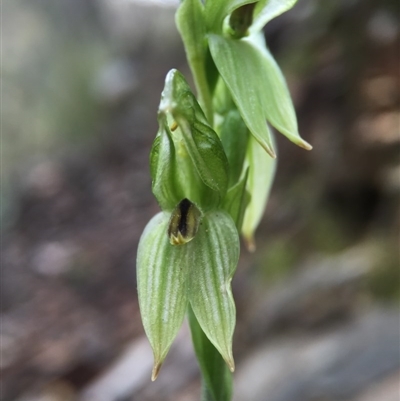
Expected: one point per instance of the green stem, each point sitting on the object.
(216, 377)
(205, 393)
(190, 20)
(203, 91)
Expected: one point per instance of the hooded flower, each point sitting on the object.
(232, 29)
(188, 253)
(224, 39)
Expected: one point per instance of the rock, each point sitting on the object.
(321, 289)
(53, 258)
(130, 373)
(336, 365)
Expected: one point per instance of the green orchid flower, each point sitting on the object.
(188, 253)
(231, 32)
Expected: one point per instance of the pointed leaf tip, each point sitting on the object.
(305, 145)
(271, 152)
(231, 364)
(250, 243)
(267, 147)
(156, 370)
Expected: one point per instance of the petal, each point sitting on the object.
(261, 175)
(257, 87)
(213, 263)
(162, 271)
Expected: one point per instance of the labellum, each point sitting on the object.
(184, 222)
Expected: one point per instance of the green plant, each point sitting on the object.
(212, 165)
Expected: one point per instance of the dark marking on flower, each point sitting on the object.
(184, 222)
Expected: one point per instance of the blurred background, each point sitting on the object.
(318, 302)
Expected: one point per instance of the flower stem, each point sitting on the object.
(216, 377)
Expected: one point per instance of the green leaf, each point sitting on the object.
(162, 271)
(216, 375)
(190, 22)
(192, 28)
(261, 175)
(257, 87)
(237, 200)
(266, 10)
(213, 263)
